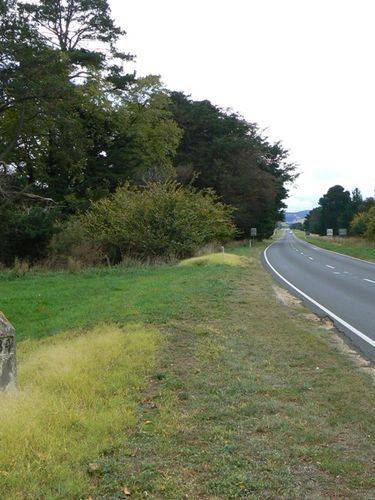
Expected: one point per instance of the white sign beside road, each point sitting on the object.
(253, 231)
(329, 232)
(343, 232)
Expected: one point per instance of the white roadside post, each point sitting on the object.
(253, 234)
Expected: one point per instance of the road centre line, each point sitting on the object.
(331, 267)
(320, 249)
(311, 258)
(370, 281)
(320, 306)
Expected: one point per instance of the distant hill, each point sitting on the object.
(293, 217)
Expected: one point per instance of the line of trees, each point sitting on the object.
(75, 126)
(339, 208)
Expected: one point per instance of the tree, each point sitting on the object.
(336, 209)
(367, 204)
(359, 224)
(357, 200)
(313, 221)
(31, 75)
(72, 27)
(297, 225)
(221, 150)
(46, 66)
(370, 225)
(136, 140)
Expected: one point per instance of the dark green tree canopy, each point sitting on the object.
(336, 210)
(74, 27)
(224, 151)
(75, 125)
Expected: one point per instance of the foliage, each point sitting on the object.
(48, 73)
(25, 231)
(336, 210)
(223, 151)
(75, 125)
(75, 26)
(32, 77)
(297, 225)
(313, 222)
(370, 225)
(358, 224)
(156, 220)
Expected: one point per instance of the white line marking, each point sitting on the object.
(311, 258)
(301, 253)
(370, 281)
(324, 309)
(336, 272)
(332, 251)
(331, 267)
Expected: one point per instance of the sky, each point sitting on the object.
(302, 69)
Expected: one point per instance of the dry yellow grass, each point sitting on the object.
(228, 259)
(77, 394)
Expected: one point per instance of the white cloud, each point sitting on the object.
(303, 70)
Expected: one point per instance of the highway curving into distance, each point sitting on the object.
(333, 285)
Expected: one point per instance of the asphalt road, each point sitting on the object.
(333, 285)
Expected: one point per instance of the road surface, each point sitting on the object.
(333, 285)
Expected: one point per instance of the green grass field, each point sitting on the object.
(355, 247)
(190, 380)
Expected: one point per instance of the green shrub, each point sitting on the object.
(20, 267)
(363, 224)
(370, 225)
(72, 244)
(358, 224)
(25, 232)
(159, 220)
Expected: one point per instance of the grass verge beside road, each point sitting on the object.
(231, 393)
(355, 247)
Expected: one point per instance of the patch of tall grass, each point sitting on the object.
(77, 395)
(226, 259)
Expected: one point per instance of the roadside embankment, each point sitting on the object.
(205, 383)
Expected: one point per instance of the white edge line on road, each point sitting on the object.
(332, 251)
(320, 306)
(331, 267)
(370, 281)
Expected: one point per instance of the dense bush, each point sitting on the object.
(358, 224)
(25, 232)
(370, 225)
(363, 224)
(159, 220)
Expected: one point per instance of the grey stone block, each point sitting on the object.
(8, 366)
